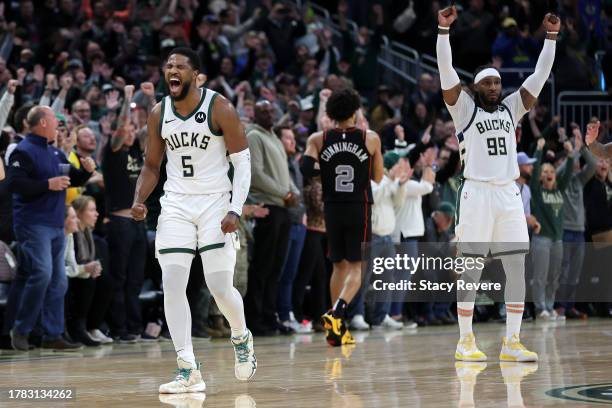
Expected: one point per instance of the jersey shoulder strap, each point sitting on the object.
(471, 119)
(509, 113)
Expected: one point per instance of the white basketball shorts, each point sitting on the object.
(490, 218)
(191, 223)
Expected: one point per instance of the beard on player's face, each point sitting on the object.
(489, 98)
(185, 86)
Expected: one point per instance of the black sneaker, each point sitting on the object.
(61, 344)
(20, 342)
(127, 339)
(147, 338)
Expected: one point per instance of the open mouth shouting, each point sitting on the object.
(175, 84)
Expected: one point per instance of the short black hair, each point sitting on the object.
(482, 68)
(194, 59)
(342, 104)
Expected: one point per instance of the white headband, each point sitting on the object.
(485, 73)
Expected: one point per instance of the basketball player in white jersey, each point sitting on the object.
(197, 129)
(490, 215)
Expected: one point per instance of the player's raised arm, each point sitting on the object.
(449, 80)
(374, 146)
(535, 82)
(149, 175)
(226, 119)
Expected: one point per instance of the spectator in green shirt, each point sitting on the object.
(547, 246)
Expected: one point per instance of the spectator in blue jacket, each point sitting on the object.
(38, 175)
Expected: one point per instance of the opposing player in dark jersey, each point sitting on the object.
(348, 158)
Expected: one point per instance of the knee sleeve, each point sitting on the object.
(175, 271)
(514, 267)
(219, 274)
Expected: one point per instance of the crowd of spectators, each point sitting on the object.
(83, 76)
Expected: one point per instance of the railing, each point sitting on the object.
(580, 107)
(402, 65)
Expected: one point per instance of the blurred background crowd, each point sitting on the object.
(98, 65)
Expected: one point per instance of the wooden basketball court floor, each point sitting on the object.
(408, 368)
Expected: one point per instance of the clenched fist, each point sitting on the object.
(139, 211)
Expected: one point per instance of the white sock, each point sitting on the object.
(175, 274)
(514, 268)
(514, 318)
(187, 355)
(465, 314)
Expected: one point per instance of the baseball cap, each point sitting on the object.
(509, 22)
(447, 208)
(522, 158)
(60, 117)
(390, 159)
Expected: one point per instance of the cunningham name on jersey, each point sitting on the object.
(348, 147)
(197, 156)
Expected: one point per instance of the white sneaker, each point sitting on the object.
(359, 323)
(513, 350)
(98, 336)
(389, 323)
(410, 324)
(297, 327)
(545, 316)
(556, 316)
(467, 350)
(188, 379)
(246, 362)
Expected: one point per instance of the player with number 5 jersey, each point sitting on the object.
(199, 132)
(348, 158)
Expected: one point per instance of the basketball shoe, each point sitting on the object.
(513, 350)
(336, 331)
(188, 379)
(467, 349)
(246, 362)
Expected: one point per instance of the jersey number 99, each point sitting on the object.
(497, 146)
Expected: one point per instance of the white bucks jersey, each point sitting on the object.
(197, 161)
(487, 140)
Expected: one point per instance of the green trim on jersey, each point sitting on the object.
(161, 116)
(211, 246)
(197, 108)
(458, 206)
(210, 123)
(177, 251)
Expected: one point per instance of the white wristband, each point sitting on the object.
(443, 28)
(552, 32)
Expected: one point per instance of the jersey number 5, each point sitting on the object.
(187, 167)
(497, 146)
(344, 178)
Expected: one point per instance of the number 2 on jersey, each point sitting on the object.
(187, 167)
(344, 178)
(497, 146)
